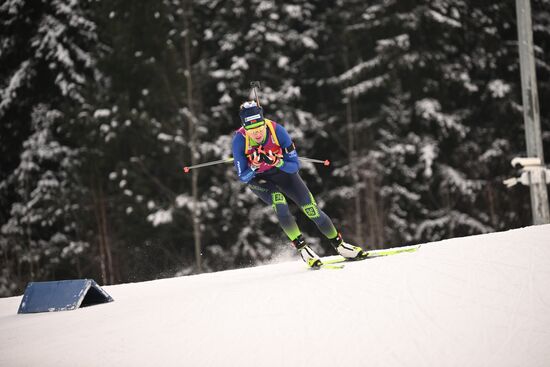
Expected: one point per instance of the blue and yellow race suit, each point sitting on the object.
(274, 185)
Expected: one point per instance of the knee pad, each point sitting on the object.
(277, 198)
(311, 210)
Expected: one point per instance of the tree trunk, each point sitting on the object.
(352, 157)
(374, 213)
(491, 200)
(107, 241)
(105, 258)
(101, 245)
(192, 135)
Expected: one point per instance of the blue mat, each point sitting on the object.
(62, 295)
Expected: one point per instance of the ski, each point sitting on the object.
(331, 266)
(326, 266)
(371, 254)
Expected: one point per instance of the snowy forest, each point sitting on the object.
(416, 103)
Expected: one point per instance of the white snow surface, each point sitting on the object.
(473, 301)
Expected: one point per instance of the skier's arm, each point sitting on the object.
(290, 162)
(240, 162)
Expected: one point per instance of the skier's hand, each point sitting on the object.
(255, 160)
(271, 158)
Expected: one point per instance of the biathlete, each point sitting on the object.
(266, 160)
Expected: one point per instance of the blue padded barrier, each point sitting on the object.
(62, 295)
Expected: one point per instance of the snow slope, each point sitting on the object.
(473, 301)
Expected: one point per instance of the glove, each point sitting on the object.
(271, 158)
(255, 160)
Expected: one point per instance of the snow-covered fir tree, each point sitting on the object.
(446, 90)
(417, 105)
(47, 61)
(245, 41)
(41, 237)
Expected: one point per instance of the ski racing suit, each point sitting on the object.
(273, 185)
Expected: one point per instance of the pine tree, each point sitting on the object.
(451, 69)
(47, 60)
(41, 237)
(242, 42)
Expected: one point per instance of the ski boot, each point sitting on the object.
(346, 250)
(308, 255)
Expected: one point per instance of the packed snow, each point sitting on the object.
(472, 301)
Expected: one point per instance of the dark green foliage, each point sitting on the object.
(416, 103)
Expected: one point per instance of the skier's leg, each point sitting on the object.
(295, 188)
(271, 195)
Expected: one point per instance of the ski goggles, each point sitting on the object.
(253, 123)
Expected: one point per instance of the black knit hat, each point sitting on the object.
(251, 115)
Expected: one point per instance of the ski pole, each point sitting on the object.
(219, 161)
(186, 169)
(326, 162)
